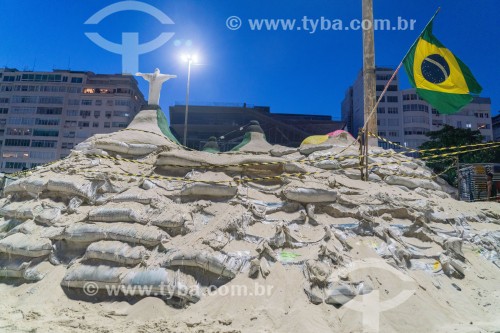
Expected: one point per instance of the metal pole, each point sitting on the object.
(187, 102)
(369, 78)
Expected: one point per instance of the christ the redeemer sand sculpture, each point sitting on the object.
(155, 82)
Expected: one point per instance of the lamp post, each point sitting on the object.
(190, 59)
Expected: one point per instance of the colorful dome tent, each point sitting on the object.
(318, 139)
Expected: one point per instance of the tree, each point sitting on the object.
(450, 136)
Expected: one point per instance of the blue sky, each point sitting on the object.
(290, 71)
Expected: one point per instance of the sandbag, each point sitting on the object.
(218, 263)
(309, 195)
(79, 275)
(21, 210)
(25, 245)
(69, 186)
(30, 185)
(136, 149)
(116, 214)
(117, 252)
(125, 232)
(13, 268)
(412, 183)
(209, 190)
(48, 216)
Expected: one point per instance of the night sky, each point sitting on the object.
(290, 71)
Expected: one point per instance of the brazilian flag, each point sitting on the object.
(440, 78)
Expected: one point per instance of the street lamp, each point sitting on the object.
(189, 58)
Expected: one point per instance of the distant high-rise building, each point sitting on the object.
(496, 127)
(404, 118)
(43, 115)
(229, 121)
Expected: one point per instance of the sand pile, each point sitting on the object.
(288, 240)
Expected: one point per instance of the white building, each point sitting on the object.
(404, 118)
(43, 115)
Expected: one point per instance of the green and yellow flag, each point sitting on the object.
(439, 77)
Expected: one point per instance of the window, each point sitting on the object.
(381, 133)
(19, 131)
(85, 113)
(9, 78)
(107, 125)
(97, 114)
(44, 143)
(21, 110)
(74, 90)
(393, 122)
(48, 110)
(41, 132)
(468, 125)
(459, 124)
(69, 134)
(17, 143)
(67, 145)
(384, 76)
(95, 124)
(379, 110)
(434, 111)
(42, 77)
(72, 113)
(50, 100)
(70, 123)
(120, 114)
(392, 110)
(392, 99)
(76, 80)
(122, 102)
(119, 125)
(415, 107)
(25, 99)
(483, 126)
(4, 100)
(393, 133)
(45, 155)
(4, 110)
(416, 131)
(15, 154)
(15, 165)
(47, 122)
(109, 103)
(20, 121)
(73, 102)
(98, 102)
(420, 120)
(108, 114)
(83, 124)
(6, 88)
(437, 122)
(86, 102)
(381, 122)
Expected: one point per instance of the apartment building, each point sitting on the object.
(404, 118)
(43, 115)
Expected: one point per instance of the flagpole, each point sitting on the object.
(385, 90)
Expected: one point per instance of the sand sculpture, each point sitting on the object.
(134, 207)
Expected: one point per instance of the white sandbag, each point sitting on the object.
(209, 190)
(30, 185)
(116, 214)
(118, 252)
(162, 282)
(125, 148)
(214, 263)
(125, 232)
(412, 183)
(13, 268)
(25, 245)
(79, 275)
(309, 195)
(48, 216)
(171, 217)
(134, 195)
(8, 224)
(21, 210)
(70, 185)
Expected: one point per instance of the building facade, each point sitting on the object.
(43, 115)
(404, 118)
(229, 120)
(496, 127)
